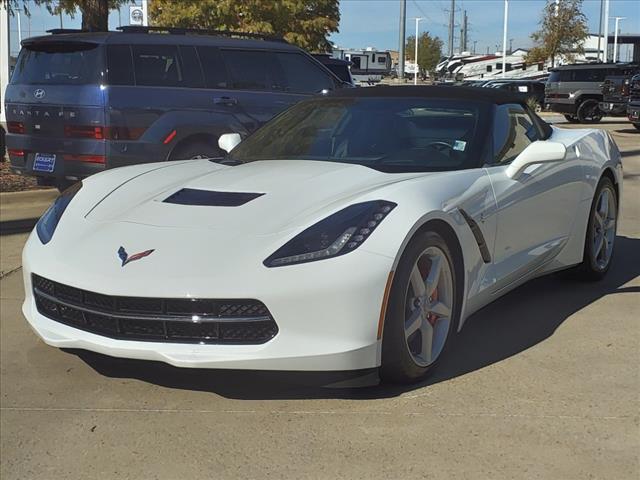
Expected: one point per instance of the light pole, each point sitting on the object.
(403, 22)
(415, 72)
(504, 38)
(474, 46)
(615, 39)
(605, 56)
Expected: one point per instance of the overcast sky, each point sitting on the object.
(375, 23)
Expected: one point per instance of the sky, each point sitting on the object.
(375, 23)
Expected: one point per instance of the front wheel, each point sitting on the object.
(423, 310)
(601, 232)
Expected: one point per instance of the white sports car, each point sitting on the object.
(354, 231)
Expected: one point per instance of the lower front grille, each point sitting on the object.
(202, 321)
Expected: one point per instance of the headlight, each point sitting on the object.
(49, 221)
(340, 233)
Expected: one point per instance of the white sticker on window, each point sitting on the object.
(523, 89)
(459, 145)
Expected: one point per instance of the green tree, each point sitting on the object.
(562, 32)
(429, 51)
(95, 13)
(306, 23)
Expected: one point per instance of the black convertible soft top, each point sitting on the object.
(490, 95)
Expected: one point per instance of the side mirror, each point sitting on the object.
(228, 141)
(537, 152)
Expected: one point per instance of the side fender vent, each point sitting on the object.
(477, 234)
(207, 198)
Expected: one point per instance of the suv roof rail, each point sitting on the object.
(58, 31)
(198, 31)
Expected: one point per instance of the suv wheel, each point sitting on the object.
(589, 112)
(196, 150)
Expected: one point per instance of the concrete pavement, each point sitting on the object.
(542, 384)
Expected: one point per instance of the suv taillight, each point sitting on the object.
(103, 133)
(15, 127)
(84, 131)
(625, 88)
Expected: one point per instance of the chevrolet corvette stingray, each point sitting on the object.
(357, 230)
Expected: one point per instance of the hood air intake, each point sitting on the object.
(207, 198)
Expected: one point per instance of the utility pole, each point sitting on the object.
(465, 29)
(504, 38)
(510, 46)
(474, 46)
(606, 32)
(615, 39)
(403, 21)
(452, 19)
(415, 72)
(600, 30)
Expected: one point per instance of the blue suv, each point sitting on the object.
(80, 102)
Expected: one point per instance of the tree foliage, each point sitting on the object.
(306, 23)
(429, 51)
(95, 13)
(560, 33)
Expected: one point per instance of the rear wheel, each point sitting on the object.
(195, 150)
(601, 232)
(423, 310)
(589, 111)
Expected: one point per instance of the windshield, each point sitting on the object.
(63, 63)
(388, 134)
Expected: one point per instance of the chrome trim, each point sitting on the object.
(167, 318)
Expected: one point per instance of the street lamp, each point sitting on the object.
(504, 38)
(415, 72)
(615, 39)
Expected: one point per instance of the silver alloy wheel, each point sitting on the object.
(428, 306)
(604, 228)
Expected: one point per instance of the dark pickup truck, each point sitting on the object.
(615, 94)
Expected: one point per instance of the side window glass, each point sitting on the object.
(215, 73)
(513, 131)
(250, 70)
(301, 75)
(191, 67)
(157, 65)
(119, 68)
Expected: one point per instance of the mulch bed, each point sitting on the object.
(10, 182)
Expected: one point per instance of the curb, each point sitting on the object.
(19, 211)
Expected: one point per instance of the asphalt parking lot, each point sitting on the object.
(544, 383)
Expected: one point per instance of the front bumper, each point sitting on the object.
(633, 113)
(327, 312)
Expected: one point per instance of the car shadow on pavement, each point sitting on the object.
(519, 320)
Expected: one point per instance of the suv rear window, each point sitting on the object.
(63, 63)
(583, 74)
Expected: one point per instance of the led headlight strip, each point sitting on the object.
(338, 234)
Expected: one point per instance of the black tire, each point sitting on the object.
(398, 366)
(195, 150)
(589, 111)
(637, 125)
(571, 118)
(589, 269)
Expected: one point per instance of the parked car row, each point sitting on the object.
(81, 102)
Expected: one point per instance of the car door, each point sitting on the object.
(536, 209)
(256, 84)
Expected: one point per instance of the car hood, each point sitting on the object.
(286, 194)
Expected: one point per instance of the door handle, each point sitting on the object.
(229, 101)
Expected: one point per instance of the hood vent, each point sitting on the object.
(191, 196)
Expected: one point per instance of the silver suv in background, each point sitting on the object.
(576, 90)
